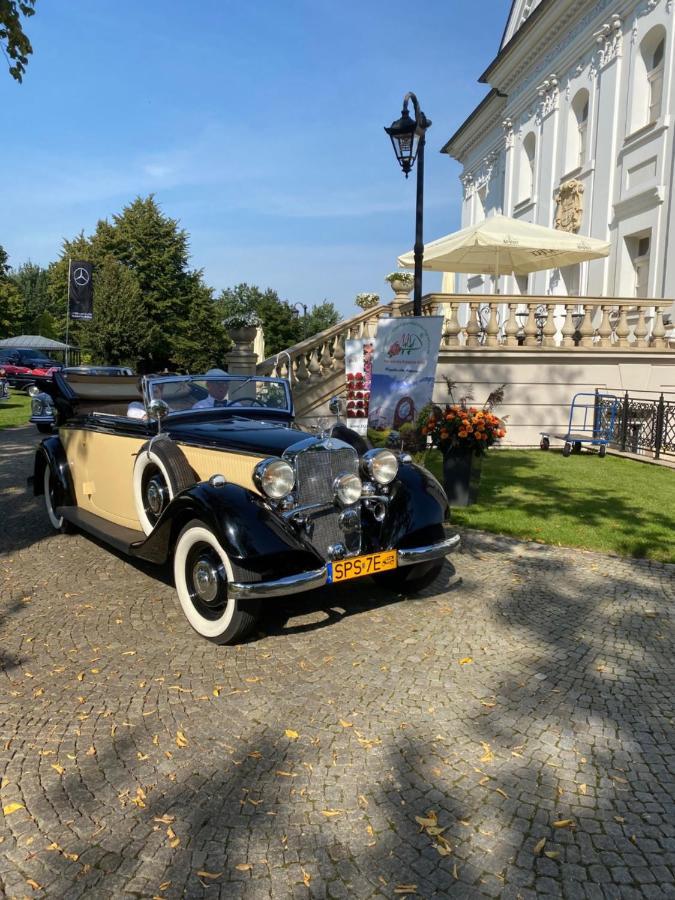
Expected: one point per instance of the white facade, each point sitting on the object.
(582, 91)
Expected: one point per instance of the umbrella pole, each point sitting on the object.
(497, 273)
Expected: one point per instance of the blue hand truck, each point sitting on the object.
(592, 418)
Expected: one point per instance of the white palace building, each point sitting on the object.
(577, 133)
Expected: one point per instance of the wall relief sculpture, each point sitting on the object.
(569, 210)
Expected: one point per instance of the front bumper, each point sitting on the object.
(308, 581)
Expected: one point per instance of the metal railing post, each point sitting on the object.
(624, 422)
(658, 440)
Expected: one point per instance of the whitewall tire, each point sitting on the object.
(58, 523)
(161, 471)
(202, 572)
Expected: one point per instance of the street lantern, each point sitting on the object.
(408, 139)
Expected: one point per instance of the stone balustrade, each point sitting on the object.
(548, 323)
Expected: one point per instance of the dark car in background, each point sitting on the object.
(4, 387)
(212, 474)
(23, 367)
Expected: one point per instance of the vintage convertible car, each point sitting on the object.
(212, 473)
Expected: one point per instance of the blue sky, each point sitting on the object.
(258, 125)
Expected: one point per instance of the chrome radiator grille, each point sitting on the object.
(316, 470)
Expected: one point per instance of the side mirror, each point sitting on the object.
(158, 409)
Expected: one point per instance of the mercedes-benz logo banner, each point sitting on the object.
(80, 290)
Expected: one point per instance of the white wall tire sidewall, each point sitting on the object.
(143, 460)
(208, 628)
(56, 521)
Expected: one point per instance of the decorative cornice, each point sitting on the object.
(609, 40)
(507, 125)
(549, 94)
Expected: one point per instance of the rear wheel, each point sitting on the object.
(602, 450)
(202, 571)
(51, 493)
(411, 579)
(567, 449)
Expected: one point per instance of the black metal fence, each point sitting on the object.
(642, 425)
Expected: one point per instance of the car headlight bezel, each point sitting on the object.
(274, 478)
(348, 488)
(381, 465)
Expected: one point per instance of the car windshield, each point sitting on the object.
(186, 393)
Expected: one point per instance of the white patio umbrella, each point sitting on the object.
(503, 246)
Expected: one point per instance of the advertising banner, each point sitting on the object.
(358, 367)
(80, 290)
(403, 369)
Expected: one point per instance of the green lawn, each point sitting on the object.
(613, 505)
(14, 411)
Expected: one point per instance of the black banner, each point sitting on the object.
(80, 290)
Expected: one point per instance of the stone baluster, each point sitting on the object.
(301, 371)
(492, 330)
(586, 328)
(659, 331)
(568, 328)
(622, 328)
(531, 326)
(641, 329)
(605, 329)
(314, 364)
(473, 326)
(325, 359)
(338, 353)
(451, 328)
(511, 328)
(548, 332)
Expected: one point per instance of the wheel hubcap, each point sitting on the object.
(156, 495)
(205, 580)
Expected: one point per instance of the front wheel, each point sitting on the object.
(411, 579)
(202, 571)
(50, 485)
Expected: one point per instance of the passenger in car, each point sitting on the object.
(136, 409)
(217, 392)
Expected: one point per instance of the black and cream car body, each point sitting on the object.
(211, 473)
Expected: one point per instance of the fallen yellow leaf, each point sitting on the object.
(552, 854)
(166, 819)
(12, 808)
(243, 867)
(174, 840)
(503, 793)
(58, 768)
(91, 751)
(331, 812)
(291, 735)
(488, 755)
(212, 875)
(73, 857)
(583, 789)
(539, 846)
(564, 823)
(216, 692)
(181, 740)
(346, 724)
(465, 661)
(405, 889)
(306, 877)
(428, 821)
(33, 884)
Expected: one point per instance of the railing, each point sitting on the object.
(507, 321)
(644, 425)
(324, 353)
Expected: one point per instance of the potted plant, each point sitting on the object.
(241, 322)
(401, 282)
(367, 300)
(463, 434)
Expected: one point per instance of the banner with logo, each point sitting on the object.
(80, 290)
(403, 369)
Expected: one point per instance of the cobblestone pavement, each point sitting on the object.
(529, 697)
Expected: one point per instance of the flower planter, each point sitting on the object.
(243, 334)
(461, 476)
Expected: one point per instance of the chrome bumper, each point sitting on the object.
(308, 581)
(292, 584)
(424, 554)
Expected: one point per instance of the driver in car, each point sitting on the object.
(217, 392)
(136, 409)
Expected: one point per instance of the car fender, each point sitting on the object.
(260, 544)
(51, 452)
(416, 511)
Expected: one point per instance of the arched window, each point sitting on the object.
(649, 73)
(527, 167)
(579, 129)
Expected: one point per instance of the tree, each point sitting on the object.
(32, 282)
(279, 320)
(320, 317)
(11, 302)
(118, 333)
(203, 343)
(13, 40)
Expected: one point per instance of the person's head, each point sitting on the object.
(217, 389)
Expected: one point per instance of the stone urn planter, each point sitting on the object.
(462, 469)
(243, 334)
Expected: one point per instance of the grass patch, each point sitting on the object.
(613, 505)
(15, 410)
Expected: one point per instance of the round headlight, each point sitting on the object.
(381, 465)
(274, 477)
(348, 489)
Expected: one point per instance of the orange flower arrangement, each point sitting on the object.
(463, 427)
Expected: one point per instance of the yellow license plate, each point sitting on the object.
(370, 564)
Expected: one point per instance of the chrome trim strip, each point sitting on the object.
(292, 584)
(433, 551)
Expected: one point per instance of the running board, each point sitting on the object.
(117, 536)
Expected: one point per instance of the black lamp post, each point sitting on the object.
(296, 310)
(408, 138)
